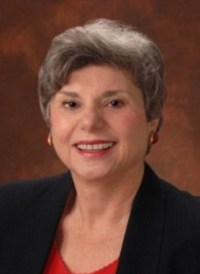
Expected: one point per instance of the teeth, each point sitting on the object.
(94, 147)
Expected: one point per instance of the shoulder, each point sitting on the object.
(20, 193)
(181, 203)
(181, 230)
(33, 184)
(182, 219)
(180, 225)
(182, 209)
(175, 198)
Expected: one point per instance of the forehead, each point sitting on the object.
(103, 76)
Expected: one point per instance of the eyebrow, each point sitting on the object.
(70, 93)
(111, 93)
(106, 94)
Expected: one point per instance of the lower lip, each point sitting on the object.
(94, 154)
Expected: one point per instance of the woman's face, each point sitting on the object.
(98, 123)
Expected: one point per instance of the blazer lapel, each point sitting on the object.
(37, 230)
(142, 241)
(141, 247)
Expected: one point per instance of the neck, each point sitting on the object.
(107, 201)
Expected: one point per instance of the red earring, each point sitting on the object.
(154, 138)
(49, 140)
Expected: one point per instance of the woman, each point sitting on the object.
(101, 91)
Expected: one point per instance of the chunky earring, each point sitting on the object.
(154, 138)
(49, 140)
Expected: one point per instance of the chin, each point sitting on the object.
(90, 175)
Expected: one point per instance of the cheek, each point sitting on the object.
(60, 127)
(134, 134)
(133, 124)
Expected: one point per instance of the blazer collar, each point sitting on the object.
(142, 242)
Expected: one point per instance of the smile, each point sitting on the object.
(94, 147)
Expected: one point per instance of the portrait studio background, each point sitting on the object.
(26, 30)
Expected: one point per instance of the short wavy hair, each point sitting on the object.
(104, 41)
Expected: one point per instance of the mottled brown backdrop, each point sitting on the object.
(26, 29)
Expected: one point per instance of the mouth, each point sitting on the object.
(94, 146)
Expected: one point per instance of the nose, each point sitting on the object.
(92, 120)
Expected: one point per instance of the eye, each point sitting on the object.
(116, 103)
(70, 104)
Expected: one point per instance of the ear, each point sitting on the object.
(153, 125)
(48, 116)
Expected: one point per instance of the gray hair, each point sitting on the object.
(104, 41)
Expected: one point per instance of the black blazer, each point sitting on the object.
(162, 236)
